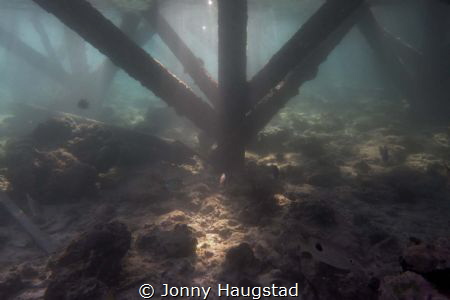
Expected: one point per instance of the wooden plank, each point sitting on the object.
(42, 240)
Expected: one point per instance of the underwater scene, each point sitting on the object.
(224, 149)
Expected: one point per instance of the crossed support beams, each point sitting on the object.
(295, 63)
(241, 108)
(81, 17)
(235, 99)
(286, 89)
(192, 64)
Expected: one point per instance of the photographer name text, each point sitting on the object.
(147, 291)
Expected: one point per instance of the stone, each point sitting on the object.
(239, 258)
(431, 260)
(411, 184)
(315, 212)
(67, 178)
(67, 287)
(49, 177)
(311, 147)
(425, 258)
(27, 271)
(271, 139)
(406, 286)
(10, 286)
(362, 167)
(90, 264)
(325, 176)
(98, 252)
(176, 243)
(54, 131)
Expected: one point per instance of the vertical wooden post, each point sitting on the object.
(232, 78)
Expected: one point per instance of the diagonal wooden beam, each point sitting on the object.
(261, 115)
(304, 42)
(39, 61)
(107, 70)
(422, 86)
(409, 55)
(380, 41)
(192, 64)
(45, 40)
(91, 25)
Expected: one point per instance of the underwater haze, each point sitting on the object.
(251, 149)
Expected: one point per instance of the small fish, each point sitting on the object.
(384, 153)
(222, 180)
(83, 104)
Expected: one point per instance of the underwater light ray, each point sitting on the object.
(192, 65)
